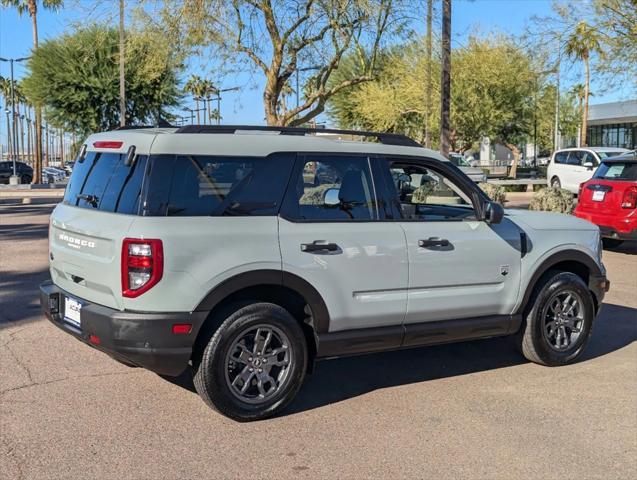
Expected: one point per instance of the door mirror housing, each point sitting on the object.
(588, 165)
(331, 197)
(493, 212)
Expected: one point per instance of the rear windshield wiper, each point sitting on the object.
(91, 199)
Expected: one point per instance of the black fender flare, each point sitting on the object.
(569, 255)
(254, 278)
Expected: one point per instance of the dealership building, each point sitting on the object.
(613, 125)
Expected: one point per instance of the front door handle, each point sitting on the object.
(433, 242)
(319, 246)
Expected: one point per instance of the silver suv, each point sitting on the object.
(247, 253)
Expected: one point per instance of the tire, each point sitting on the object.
(233, 350)
(534, 338)
(611, 242)
(25, 179)
(555, 182)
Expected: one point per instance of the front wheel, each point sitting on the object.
(255, 363)
(558, 325)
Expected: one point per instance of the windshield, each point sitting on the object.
(609, 153)
(458, 160)
(626, 171)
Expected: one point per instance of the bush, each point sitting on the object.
(555, 200)
(494, 192)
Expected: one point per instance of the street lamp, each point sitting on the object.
(219, 92)
(14, 180)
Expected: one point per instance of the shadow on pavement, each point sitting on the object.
(24, 231)
(628, 247)
(340, 379)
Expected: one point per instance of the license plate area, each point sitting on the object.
(72, 312)
(599, 195)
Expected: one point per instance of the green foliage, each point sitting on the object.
(75, 78)
(495, 192)
(494, 91)
(557, 200)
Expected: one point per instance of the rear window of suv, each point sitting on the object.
(103, 182)
(617, 171)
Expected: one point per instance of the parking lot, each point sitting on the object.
(470, 410)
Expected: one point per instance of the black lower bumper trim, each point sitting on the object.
(144, 339)
(609, 232)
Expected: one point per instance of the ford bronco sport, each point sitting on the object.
(246, 253)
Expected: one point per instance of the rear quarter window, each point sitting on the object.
(201, 185)
(561, 157)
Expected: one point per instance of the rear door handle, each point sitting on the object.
(433, 242)
(319, 246)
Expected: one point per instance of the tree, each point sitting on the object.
(31, 6)
(582, 42)
(194, 86)
(445, 78)
(428, 80)
(75, 77)
(278, 37)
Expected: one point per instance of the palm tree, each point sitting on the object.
(582, 42)
(31, 7)
(445, 79)
(194, 86)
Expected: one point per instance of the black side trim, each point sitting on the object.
(320, 314)
(367, 340)
(559, 257)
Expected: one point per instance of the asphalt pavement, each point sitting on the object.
(471, 410)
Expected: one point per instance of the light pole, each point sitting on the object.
(14, 180)
(192, 114)
(218, 99)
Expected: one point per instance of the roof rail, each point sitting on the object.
(384, 138)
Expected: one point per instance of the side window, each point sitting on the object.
(332, 188)
(561, 157)
(425, 194)
(197, 185)
(575, 158)
(588, 157)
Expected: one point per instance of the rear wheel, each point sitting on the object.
(558, 325)
(555, 182)
(611, 242)
(25, 179)
(254, 364)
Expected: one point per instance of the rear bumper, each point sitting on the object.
(611, 226)
(139, 338)
(610, 232)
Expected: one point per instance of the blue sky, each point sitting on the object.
(244, 107)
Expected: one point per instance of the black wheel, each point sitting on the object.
(611, 242)
(254, 364)
(555, 182)
(559, 323)
(25, 179)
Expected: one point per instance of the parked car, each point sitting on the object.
(245, 257)
(609, 199)
(571, 167)
(23, 170)
(474, 173)
(52, 175)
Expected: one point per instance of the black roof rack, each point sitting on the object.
(384, 138)
(161, 124)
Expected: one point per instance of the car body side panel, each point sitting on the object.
(202, 252)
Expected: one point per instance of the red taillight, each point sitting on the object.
(629, 200)
(107, 144)
(142, 265)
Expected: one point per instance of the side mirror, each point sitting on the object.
(494, 212)
(330, 197)
(589, 165)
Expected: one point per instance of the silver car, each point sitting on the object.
(245, 254)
